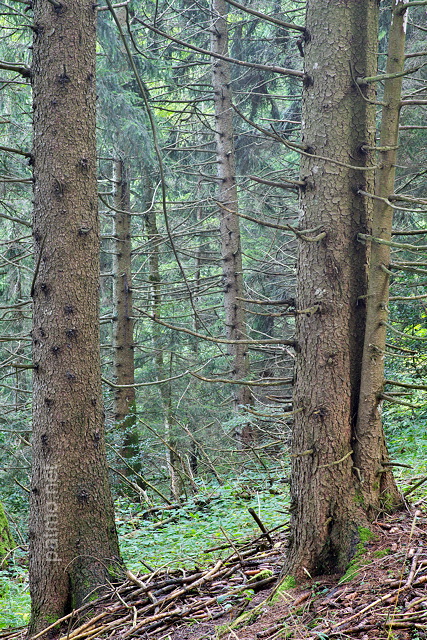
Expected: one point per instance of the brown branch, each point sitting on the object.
(412, 489)
(23, 70)
(26, 154)
(260, 524)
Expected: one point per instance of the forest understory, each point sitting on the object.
(382, 595)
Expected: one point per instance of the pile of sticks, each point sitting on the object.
(152, 603)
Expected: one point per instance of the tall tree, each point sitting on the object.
(338, 137)
(124, 362)
(73, 541)
(231, 251)
(377, 483)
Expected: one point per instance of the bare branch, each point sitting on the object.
(252, 65)
(23, 70)
(216, 340)
(263, 16)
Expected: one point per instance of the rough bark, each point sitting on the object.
(228, 204)
(332, 275)
(378, 487)
(124, 365)
(73, 541)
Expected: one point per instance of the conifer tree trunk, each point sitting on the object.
(377, 483)
(332, 276)
(73, 541)
(124, 366)
(228, 203)
(165, 390)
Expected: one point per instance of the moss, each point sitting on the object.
(287, 582)
(359, 499)
(356, 563)
(365, 535)
(262, 575)
(381, 553)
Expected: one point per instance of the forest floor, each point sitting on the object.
(383, 595)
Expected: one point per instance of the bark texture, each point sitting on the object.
(332, 275)
(124, 365)
(378, 487)
(73, 541)
(228, 203)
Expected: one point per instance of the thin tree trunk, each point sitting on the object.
(165, 389)
(332, 272)
(73, 541)
(124, 365)
(378, 487)
(228, 203)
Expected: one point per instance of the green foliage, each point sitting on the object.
(182, 543)
(14, 595)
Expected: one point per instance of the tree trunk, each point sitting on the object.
(73, 541)
(124, 367)
(165, 390)
(337, 122)
(228, 203)
(378, 488)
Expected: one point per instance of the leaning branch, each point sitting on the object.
(387, 76)
(406, 385)
(398, 245)
(250, 383)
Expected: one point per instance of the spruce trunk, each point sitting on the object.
(73, 541)
(124, 366)
(231, 253)
(378, 488)
(332, 280)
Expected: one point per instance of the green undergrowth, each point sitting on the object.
(205, 521)
(407, 443)
(14, 594)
